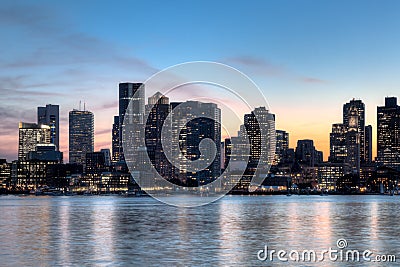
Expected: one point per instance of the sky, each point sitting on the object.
(307, 57)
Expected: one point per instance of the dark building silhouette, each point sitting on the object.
(81, 135)
(368, 144)
(95, 163)
(307, 154)
(115, 140)
(49, 115)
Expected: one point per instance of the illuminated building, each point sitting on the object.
(49, 115)
(31, 134)
(81, 135)
(389, 133)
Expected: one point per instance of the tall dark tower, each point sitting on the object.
(158, 109)
(359, 107)
(115, 140)
(49, 115)
(388, 134)
(132, 114)
(81, 135)
(353, 140)
(368, 144)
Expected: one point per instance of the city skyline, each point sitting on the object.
(108, 144)
(307, 65)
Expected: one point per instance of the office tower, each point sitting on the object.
(130, 114)
(115, 140)
(81, 135)
(306, 152)
(282, 144)
(31, 172)
(388, 133)
(368, 144)
(359, 106)
(353, 141)
(338, 152)
(49, 115)
(158, 109)
(30, 135)
(261, 146)
(193, 121)
(257, 124)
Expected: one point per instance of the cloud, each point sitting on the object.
(255, 65)
(312, 80)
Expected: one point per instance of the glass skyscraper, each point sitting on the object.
(81, 135)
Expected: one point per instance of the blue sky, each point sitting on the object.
(308, 57)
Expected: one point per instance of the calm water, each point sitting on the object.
(115, 231)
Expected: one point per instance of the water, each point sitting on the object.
(115, 231)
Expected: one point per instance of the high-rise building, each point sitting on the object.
(388, 133)
(359, 108)
(259, 127)
(115, 140)
(130, 114)
(193, 121)
(282, 145)
(81, 135)
(338, 150)
(30, 135)
(158, 109)
(49, 115)
(353, 141)
(307, 154)
(368, 144)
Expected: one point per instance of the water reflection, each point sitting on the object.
(104, 231)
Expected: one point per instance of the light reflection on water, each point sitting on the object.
(115, 231)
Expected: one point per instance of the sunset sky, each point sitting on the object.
(308, 57)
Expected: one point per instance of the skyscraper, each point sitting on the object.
(30, 135)
(158, 109)
(353, 141)
(359, 108)
(115, 140)
(193, 121)
(81, 135)
(306, 152)
(49, 115)
(388, 133)
(130, 114)
(368, 144)
(338, 150)
(282, 144)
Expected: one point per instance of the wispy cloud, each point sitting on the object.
(255, 65)
(312, 80)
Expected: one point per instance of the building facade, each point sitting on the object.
(81, 135)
